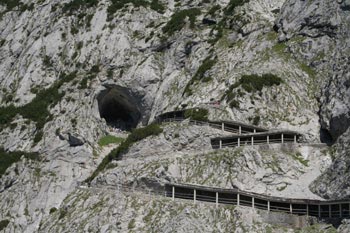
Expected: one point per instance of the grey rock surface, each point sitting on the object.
(38, 43)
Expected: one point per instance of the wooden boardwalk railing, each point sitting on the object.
(316, 208)
(242, 134)
(218, 196)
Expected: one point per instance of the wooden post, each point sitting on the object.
(253, 204)
(217, 199)
(239, 129)
(173, 193)
(295, 138)
(238, 201)
(282, 138)
(239, 141)
(220, 144)
(252, 140)
(291, 208)
(268, 206)
(268, 139)
(194, 196)
(223, 126)
(254, 130)
(319, 211)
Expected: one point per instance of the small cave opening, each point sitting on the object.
(119, 107)
(326, 137)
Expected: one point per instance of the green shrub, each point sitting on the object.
(109, 139)
(53, 210)
(116, 154)
(120, 4)
(3, 224)
(75, 5)
(177, 21)
(38, 109)
(232, 5)
(10, 4)
(63, 213)
(207, 64)
(213, 10)
(197, 114)
(254, 82)
(255, 120)
(156, 6)
(9, 158)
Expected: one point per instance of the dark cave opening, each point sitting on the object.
(326, 137)
(119, 107)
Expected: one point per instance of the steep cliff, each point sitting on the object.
(73, 71)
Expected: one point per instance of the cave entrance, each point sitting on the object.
(119, 107)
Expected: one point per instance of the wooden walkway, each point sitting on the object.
(242, 134)
(316, 208)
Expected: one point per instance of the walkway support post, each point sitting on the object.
(282, 138)
(222, 126)
(319, 211)
(268, 206)
(217, 200)
(268, 139)
(194, 195)
(290, 208)
(295, 138)
(252, 140)
(173, 193)
(239, 142)
(238, 199)
(220, 144)
(253, 204)
(307, 209)
(239, 129)
(254, 130)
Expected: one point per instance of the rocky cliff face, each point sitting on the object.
(65, 64)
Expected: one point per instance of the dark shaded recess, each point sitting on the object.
(326, 137)
(275, 28)
(208, 21)
(119, 107)
(339, 125)
(74, 141)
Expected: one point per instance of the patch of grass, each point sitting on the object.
(298, 157)
(3, 224)
(307, 69)
(131, 224)
(9, 158)
(177, 21)
(116, 154)
(109, 139)
(280, 48)
(197, 114)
